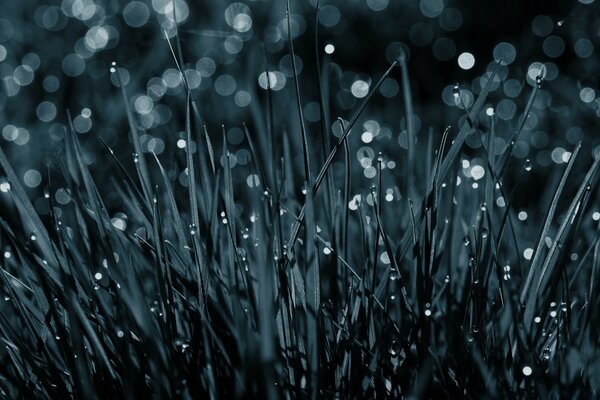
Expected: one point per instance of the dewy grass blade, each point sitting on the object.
(409, 117)
(336, 148)
(545, 272)
(537, 255)
(135, 137)
(307, 175)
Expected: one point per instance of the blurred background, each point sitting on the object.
(56, 56)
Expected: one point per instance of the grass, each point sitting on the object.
(293, 288)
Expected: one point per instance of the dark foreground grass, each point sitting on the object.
(294, 287)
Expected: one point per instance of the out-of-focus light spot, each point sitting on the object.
(542, 25)
(389, 88)
(477, 172)
(558, 155)
(242, 98)
(32, 178)
(466, 60)
(193, 78)
(431, 8)
(312, 112)
(276, 80)
(4, 186)
(359, 88)
(451, 19)
(181, 143)
(136, 14)
(206, 66)
(96, 38)
(119, 223)
(73, 65)
(225, 85)
(10, 132)
(228, 160)
(33, 60)
(3, 53)
(584, 48)
(172, 78)
(233, 44)
(527, 370)
(536, 70)
(587, 95)
(522, 215)
(505, 52)
(377, 5)
(51, 84)
(23, 75)
(253, 180)
(237, 16)
(329, 48)
(596, 216)
(528, 253)
(82, 124)
(285, 65)
(370, 172)
(553, 46)
(155, 145)
(46, 111)
(143, 104)
(172, 9)
(366, 137)
(512, 88)
(384, 257)
(329, 16)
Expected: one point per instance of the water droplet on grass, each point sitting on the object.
(528, 165)
(394, 348)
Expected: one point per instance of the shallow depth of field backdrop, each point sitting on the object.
(63, 65)
(57, 55)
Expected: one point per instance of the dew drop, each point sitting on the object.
(394, 348)
(466, 241)
(528, 165)
(455, 91)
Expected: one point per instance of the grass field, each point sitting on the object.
(293, 256)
